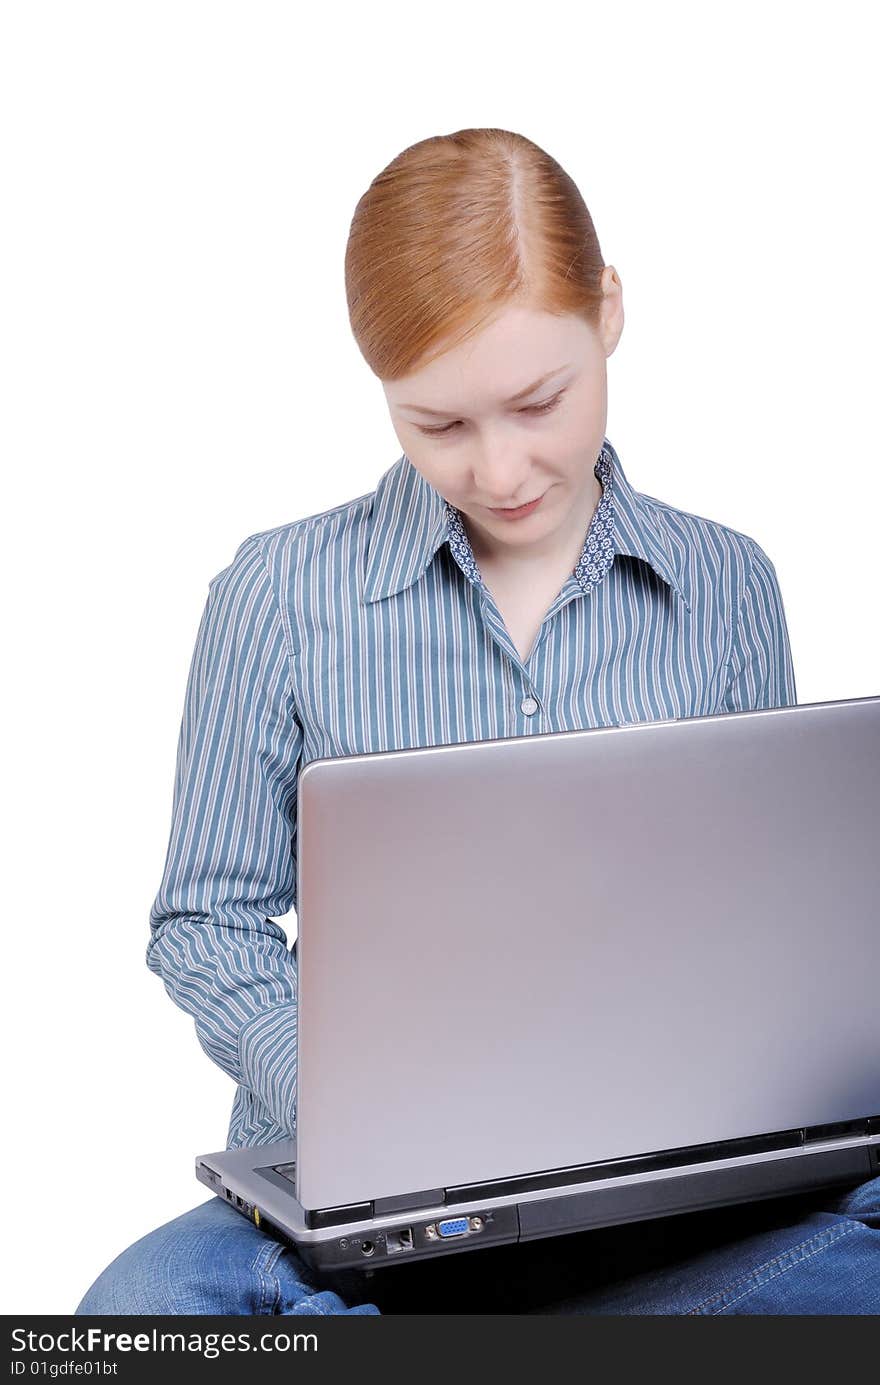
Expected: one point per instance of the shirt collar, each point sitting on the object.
(409, 521)
(639, 531)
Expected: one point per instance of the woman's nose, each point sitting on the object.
(500, 477)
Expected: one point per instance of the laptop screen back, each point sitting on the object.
(525, 954)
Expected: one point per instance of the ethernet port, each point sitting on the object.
(399, 1240)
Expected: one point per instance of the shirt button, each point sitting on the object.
(528, 705)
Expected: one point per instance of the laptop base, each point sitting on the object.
(248, 1180)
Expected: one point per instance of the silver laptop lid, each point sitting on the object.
(524, 954)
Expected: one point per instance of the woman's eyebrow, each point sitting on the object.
(520, 394)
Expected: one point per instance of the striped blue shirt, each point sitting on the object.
(368, 628)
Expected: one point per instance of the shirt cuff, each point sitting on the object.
(267, 1053)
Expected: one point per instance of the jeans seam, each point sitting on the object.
(821, 1241)
(270, 1286)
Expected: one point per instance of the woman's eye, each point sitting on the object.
(544, 408)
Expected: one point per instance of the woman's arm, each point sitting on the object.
(231, 860)
(760, 671)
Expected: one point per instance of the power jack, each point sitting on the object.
(367, 1248)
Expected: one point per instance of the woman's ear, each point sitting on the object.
(611, 313)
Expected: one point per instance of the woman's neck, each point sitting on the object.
(561, 552)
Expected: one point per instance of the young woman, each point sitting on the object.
(504, 579)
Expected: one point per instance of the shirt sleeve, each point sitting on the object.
(760, 670)
(231, 858)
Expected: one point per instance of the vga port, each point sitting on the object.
(453, 1226)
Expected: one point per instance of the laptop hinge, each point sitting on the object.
(365, 1211)
(632, 1164)
(315, 1218)
(836, 1130)
(406, 1202)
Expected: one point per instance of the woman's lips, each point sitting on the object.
(520, 511)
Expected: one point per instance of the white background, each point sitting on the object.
(178, 372)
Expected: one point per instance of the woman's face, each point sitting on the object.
(481, 449)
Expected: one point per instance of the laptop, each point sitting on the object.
(562, 981)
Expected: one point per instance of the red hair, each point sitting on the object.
(453, 230)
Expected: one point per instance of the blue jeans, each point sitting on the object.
(818, 1253)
